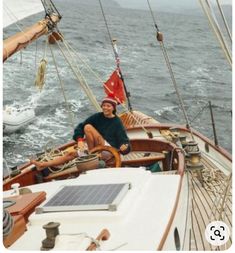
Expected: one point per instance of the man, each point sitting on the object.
(102, 128)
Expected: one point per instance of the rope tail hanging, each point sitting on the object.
(40, 76)
(114, 47)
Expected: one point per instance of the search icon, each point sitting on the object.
(217, 233)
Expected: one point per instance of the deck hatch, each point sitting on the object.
(86, 197)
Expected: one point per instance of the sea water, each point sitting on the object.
(201, 72)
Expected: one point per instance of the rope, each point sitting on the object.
(114, 47)
(80, 78)
(12, 16)
(215, 27)
(50, 154)
(199, 113)
(95, 241)
(85, 85)
(8, 223)
(213, 177)
(107, 27)
(167, 60)
(50, 8)
(224, 20)
(40, 76)
(212, 180)
(70, 114)
(88, 67)
(36, 53)
(225, 195)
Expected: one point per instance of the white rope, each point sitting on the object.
(215, 27)
(220, 200)
(12, 16)
(95, 241)
(80, 78)
(83, 82)
(138, 121)
(71, 116)
(40, 76)
(224, 20)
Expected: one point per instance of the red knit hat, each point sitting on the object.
(110, 100)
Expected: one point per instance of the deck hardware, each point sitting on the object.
(183, 140)
(24, 190)
(52, 230)
(15, 171)
(207, 147)
(15, 188)
(193, 161)
(213, 124)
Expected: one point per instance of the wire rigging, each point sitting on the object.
(216, 29)
(165, 54)
(114, 47)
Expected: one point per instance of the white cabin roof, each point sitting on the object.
(138, 224)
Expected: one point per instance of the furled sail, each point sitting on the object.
(15, 10)
(20, 40)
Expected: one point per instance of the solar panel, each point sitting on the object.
(86, 197)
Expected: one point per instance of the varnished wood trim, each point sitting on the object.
(161, 126)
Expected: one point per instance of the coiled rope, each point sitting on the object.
(7, 219)
(7, 223)
(51, 154)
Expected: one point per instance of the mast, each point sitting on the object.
(22, 39)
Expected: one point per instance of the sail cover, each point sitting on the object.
(15, 10)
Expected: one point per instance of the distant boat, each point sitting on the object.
(15, 119)
(160, 196)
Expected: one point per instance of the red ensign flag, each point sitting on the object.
(115, 86)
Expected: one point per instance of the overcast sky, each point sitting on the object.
(165, 4)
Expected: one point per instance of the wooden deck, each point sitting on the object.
(135, 119)
(210, 195)
(209, 202)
